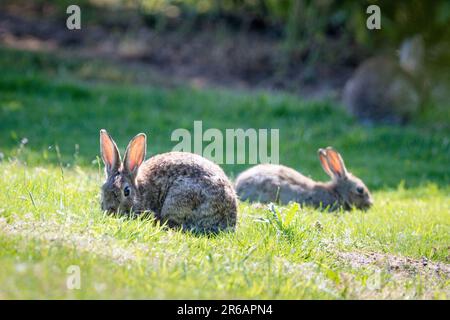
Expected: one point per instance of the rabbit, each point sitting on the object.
(182, 189)
(388, 90)
(277, 183)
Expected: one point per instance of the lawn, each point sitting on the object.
(51, 110)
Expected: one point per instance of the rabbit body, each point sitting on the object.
(389, 89)
(381, 91)
(187, 190)
(181, 189)
(277, 183)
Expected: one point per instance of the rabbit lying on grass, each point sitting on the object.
(183, 189)
(277, 183)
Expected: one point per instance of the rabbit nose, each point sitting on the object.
(111, 209)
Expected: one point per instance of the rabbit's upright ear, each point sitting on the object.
(336, 163)
(110, 153)
(324, 162)
(135, 154)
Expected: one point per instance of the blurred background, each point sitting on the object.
(308, 47)
(182, 52)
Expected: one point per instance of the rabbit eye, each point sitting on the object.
(126, 191)
(360, 190)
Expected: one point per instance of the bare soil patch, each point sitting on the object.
(396, 264)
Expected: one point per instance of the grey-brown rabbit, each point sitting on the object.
(272, 183)
(180, 188)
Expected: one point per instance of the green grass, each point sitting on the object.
(49, 201)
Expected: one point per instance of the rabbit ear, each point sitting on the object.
(323, 160)
(135, 154)
(336, 163)
(110, 153)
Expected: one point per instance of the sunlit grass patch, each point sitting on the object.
(51, 219)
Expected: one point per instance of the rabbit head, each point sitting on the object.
(119, 192)
(350, 190)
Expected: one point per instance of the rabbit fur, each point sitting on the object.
(182, 189)
(277, 183)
